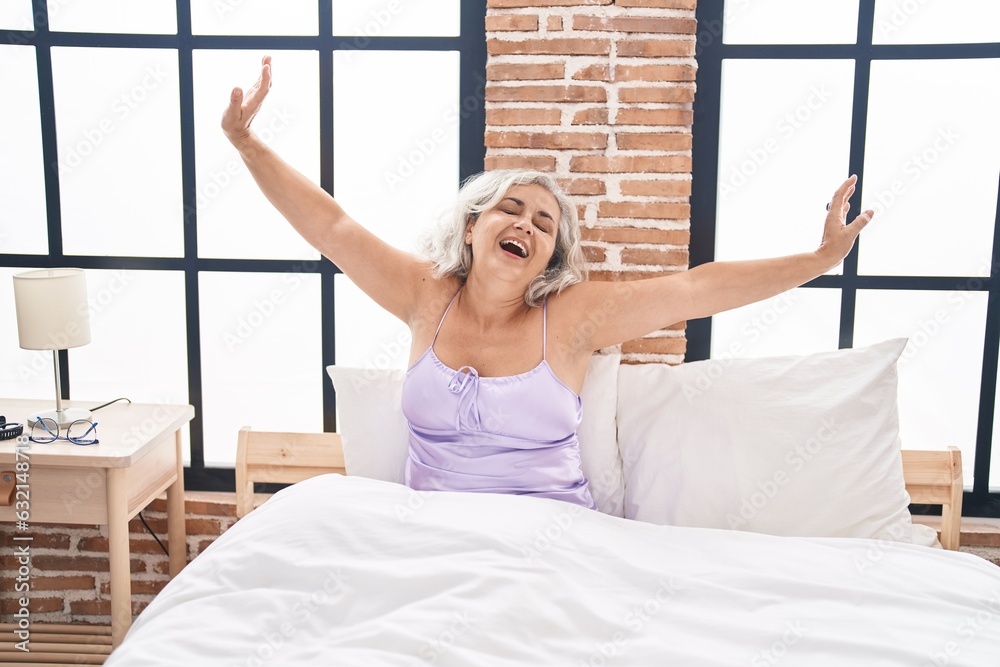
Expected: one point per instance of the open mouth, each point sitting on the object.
(514, 248)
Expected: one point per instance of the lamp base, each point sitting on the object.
(61, 417)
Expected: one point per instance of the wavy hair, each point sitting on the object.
(445, 246)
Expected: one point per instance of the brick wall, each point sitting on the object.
(600, 94)
(597, 93)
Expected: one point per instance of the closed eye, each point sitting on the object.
(515, 210)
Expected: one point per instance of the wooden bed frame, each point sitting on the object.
(932, 477)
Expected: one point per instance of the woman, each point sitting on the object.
(484, 413)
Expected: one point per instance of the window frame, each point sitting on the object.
(471, 45)
(710, 52)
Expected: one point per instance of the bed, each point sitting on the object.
(354, 571)
(341, 569)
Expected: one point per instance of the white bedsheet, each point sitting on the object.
(351, 571)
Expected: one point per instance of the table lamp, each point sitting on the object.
(52, 314)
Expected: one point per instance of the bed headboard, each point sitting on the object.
(932, 477)
(283, 458)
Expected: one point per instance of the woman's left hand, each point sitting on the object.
(838, 237)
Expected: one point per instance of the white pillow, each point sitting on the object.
(598, 434)
(375, 436)
(370, 421)
(794, 445)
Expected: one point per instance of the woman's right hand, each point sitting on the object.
(240, 112)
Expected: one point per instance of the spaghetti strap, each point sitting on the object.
(544, 305)
(445, 315)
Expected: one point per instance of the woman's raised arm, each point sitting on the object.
(388, 275)
(613, 312)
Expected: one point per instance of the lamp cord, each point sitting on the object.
(141, 517)
(109, 403)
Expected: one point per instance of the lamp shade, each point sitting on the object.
(51, 306)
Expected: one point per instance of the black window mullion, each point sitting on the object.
(221, 42)
(987, 397)
(50, 152)
(873, 51)
(472, 87)
(856, 164)
(705, 159)
(988, 384)
(327, 270)
(189, 264)
(50, 158)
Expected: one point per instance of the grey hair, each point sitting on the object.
(446, 248)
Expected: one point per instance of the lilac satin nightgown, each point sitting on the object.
(514, 434)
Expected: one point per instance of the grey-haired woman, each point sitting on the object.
(510, 248)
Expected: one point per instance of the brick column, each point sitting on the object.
(601, 95)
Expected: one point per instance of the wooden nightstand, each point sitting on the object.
(139, 456)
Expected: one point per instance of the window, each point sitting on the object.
(200, 291)
(904, 94)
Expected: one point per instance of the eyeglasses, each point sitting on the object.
(80, 432)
